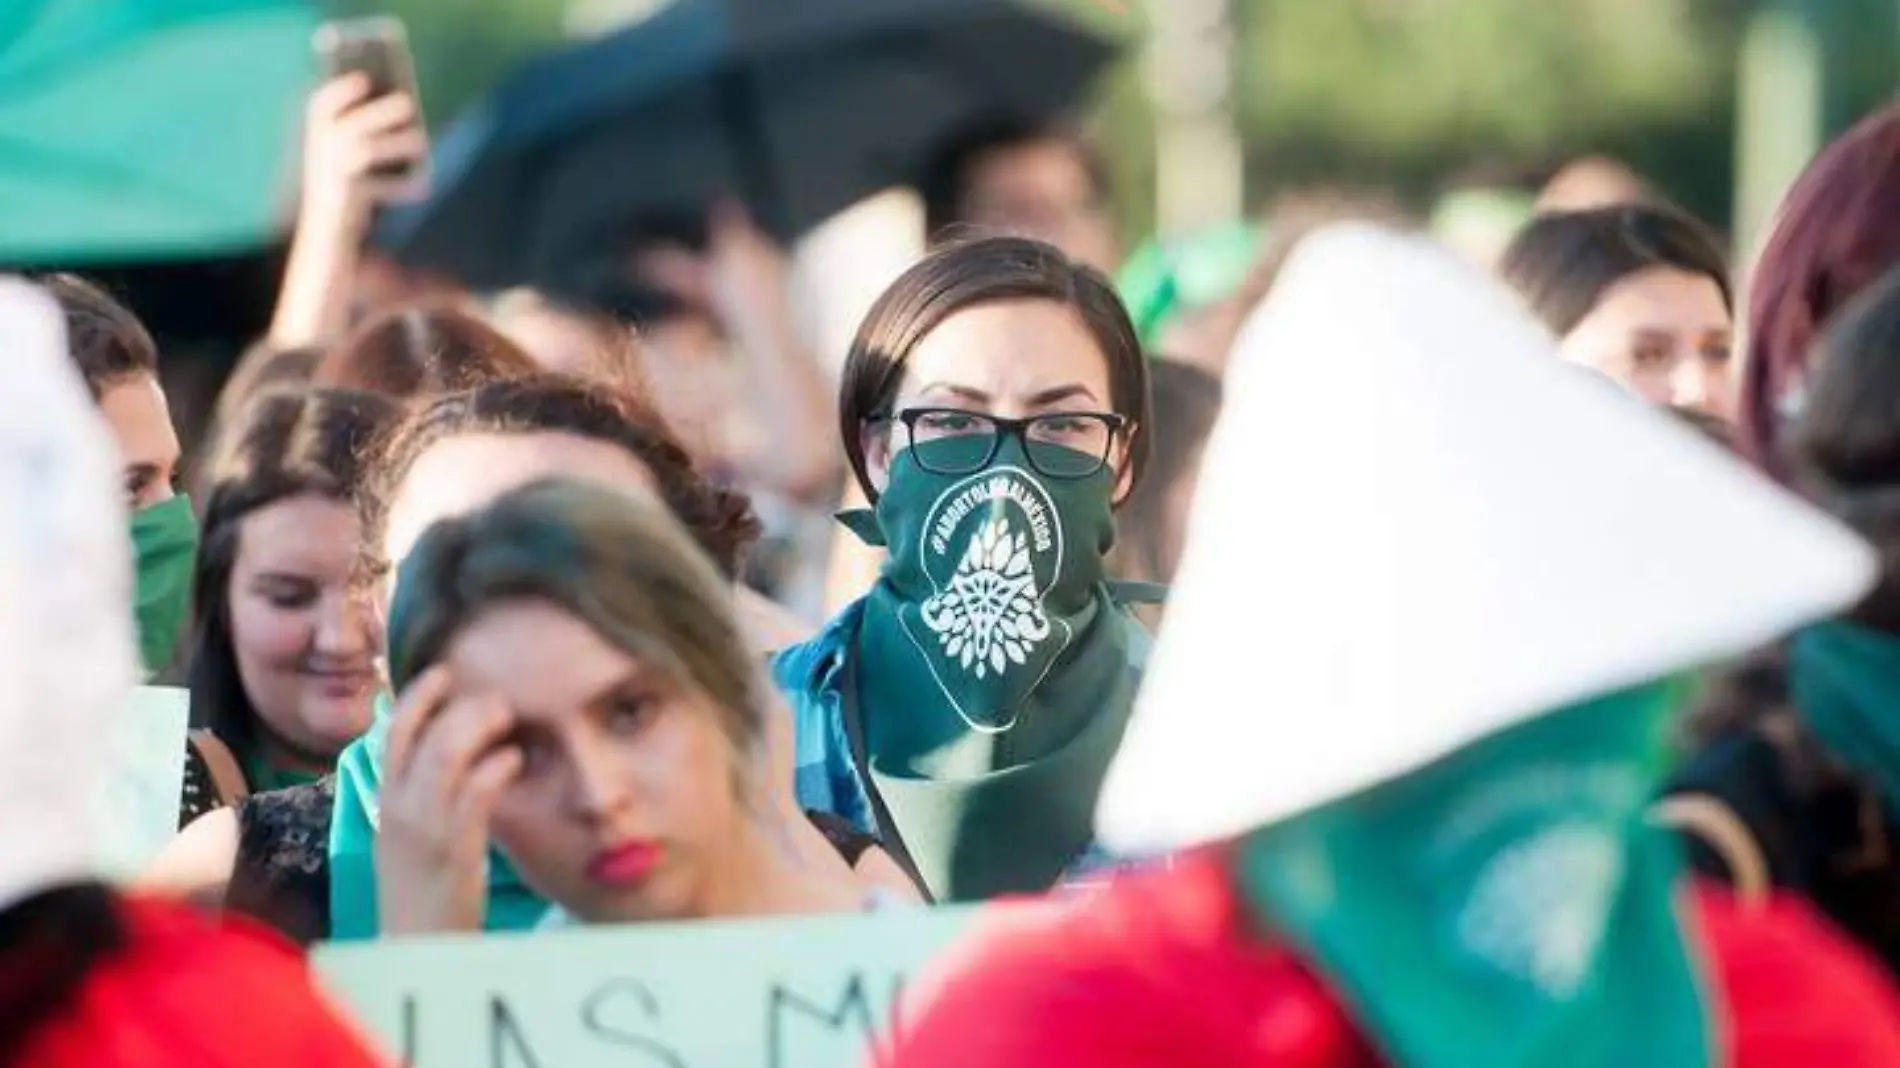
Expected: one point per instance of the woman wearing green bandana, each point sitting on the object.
(965, 710)
(1795, 783)
(119, 362)
(1410, 761)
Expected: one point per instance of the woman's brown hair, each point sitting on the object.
(984, 271)
(421, 350)
(1564, 262)
(107, 341)
(721, 521)
(285, 444)
(619, 564)
(617, 356)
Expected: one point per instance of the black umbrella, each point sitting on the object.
(796, 107)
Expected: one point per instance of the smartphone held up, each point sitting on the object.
(376, 50)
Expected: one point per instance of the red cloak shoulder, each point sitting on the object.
(1165, 969)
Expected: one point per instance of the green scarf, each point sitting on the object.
(993, 671)
(1506, 907)
(165, 550)
(1845, 679)
(263, 776)
(511, 905)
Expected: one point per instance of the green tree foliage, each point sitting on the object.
(1406, 91)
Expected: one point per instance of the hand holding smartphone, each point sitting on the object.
(377, 121)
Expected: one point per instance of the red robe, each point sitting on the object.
(188, 992)
(1165, 969)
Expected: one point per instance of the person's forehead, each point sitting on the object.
(1029, 345)
(462, 474)
(308, 534)
(506, 649)
(135, 408)
(1667, 289)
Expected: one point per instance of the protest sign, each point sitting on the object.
(137, 802)
(783, 993)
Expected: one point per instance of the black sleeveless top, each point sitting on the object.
(200, 794)
(282, 875)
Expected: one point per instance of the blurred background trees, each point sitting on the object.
(1402, 94)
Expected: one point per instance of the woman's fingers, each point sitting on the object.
(408, 143)
(468, 730)
(490, 776)
(400, 190)
(381, 115)
(337, 96)
(415, 706)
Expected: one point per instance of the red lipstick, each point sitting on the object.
(626, 863)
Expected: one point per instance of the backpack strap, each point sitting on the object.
(227, 777)
(1711, 821)
(1130, 592)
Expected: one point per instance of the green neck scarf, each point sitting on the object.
(511, 905)
(993, 673)
(1506, 907)
(264, 776)
(165, 550)
(1845, 679)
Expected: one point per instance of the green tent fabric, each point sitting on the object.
(148, 129)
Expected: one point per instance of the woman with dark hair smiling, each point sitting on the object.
(282, 667)
(1639, 293)
(993, 410)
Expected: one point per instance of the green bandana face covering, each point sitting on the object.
(1845, 679)
(165, 549)
(992, 573)
(993, 672)
(1506, 907)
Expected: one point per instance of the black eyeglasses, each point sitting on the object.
(1058, 444)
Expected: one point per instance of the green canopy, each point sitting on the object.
(147, 129)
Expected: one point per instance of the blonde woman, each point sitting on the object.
(577, 690)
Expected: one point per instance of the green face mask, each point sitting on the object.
(992, 574)
(993, 672)
(165, 549)
(1516, 881)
